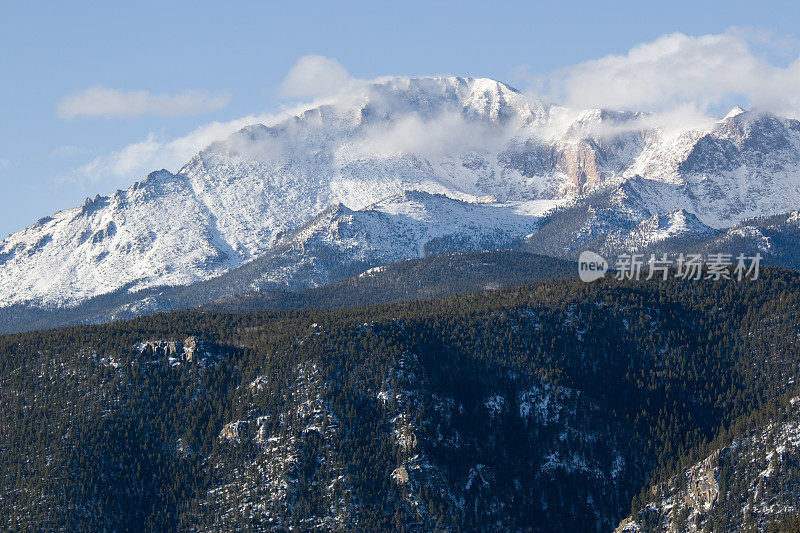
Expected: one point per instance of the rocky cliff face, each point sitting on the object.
(750, 482)
(437, 447)
(191, 351)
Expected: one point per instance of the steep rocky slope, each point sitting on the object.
(748, 483)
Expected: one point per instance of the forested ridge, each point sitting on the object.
(432, 276)
(543, 407)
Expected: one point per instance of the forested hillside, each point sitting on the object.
(547, 407)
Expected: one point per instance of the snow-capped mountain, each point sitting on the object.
(411, 224)
(490, 159)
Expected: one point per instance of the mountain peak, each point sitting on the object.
(445, 82)
(736, 111)
(483, 97)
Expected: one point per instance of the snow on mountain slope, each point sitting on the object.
(155, 230)
(746, 165)
(473, 140)
(340, 241)
(620, 216)
(434, 135)
(230, 202)
(661, 227)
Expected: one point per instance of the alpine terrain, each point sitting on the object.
(366, 317)
(405, 168)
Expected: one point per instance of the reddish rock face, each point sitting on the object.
(579, 162)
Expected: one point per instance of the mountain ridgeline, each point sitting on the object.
(406, 168)
(436, 275)
(553, 406)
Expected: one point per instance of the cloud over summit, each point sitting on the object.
(314, 76)
(684, 81)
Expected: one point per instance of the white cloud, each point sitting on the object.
(314, 76)
(153, 153)
(101, 101)
(134, 161)
(676, 69)
(447, 133)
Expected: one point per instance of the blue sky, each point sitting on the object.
(194, 63)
